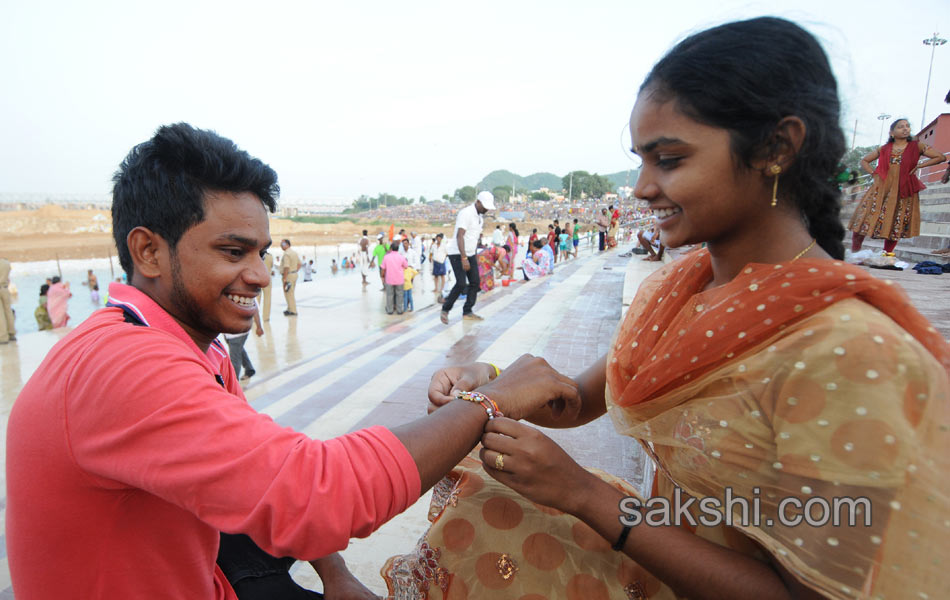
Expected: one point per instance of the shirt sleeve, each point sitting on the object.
(154, 418)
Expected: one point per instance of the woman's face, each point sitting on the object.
(690, 179)
(900, 130)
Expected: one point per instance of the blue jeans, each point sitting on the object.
(407, 303)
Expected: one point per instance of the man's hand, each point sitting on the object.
(465, 265)
(338, 582)
(528, 384)
(445, 382)
(259, 331)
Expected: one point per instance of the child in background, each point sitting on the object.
(94, 293)
(409, 273)
(41, 314)
(564, 240)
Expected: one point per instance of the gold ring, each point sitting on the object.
(500, 462)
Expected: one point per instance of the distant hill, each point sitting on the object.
(503, 178)
(620, 179)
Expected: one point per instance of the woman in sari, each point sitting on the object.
(614, 226)
(512, 247)
(541, 261)
(760, 367)
(890, 209)
(56, 299)
(486, 260)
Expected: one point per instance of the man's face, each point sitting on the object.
(217, 269)
(405, 243)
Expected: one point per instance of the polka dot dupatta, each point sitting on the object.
(802, 384)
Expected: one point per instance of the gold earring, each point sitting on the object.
(775, 170)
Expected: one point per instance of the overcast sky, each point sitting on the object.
(406, 97)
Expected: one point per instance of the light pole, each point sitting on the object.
(882, 117)
(933, 42)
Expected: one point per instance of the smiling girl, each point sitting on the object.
(760, 367)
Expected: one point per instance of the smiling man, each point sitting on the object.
(132, 453)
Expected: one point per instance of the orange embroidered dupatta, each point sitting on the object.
(803, 380)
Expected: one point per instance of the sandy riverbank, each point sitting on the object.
(54, 232)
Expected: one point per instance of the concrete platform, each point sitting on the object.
(343, 364)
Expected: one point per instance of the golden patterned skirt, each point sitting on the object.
(882, 214)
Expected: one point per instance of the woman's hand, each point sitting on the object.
(534, 465)
(445, 382)
(530, 383)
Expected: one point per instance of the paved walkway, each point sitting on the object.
(343, 364)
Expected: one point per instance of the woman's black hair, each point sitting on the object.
(514, 228)
(747, 76)
(538, 244)
(890, 130)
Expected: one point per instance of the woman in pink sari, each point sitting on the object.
(512, 242)
(57, 296)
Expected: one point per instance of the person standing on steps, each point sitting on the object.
(289, 265)
(461, 251)
(267, 289)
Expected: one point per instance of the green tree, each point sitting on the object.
(597, 186)
(501, 194)
(422, 200)
(581, 183)
(852, 158)
(539, 195)
(573, 183)
(466, 194)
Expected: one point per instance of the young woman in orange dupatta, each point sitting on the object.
(761, 367)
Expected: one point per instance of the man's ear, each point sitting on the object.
(148, 250)
(784, 145)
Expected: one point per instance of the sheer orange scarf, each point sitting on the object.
(686, 332)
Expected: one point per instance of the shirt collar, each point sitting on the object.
(139, 306)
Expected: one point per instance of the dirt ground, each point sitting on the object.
(54, 232)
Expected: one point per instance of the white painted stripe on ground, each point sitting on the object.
(301, 394)
(5, 581)
(294, 372)
(352, 409)
(530, 333)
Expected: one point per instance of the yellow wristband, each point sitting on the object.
(497, 370)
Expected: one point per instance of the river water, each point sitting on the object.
(27, 277)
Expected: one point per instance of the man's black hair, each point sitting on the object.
(161, 184)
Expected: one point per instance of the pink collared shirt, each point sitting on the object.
(125, 458)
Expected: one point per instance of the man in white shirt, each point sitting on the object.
(497, 237)
(461, 249)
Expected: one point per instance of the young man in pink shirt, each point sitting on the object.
(393, 267)
(132, 450)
